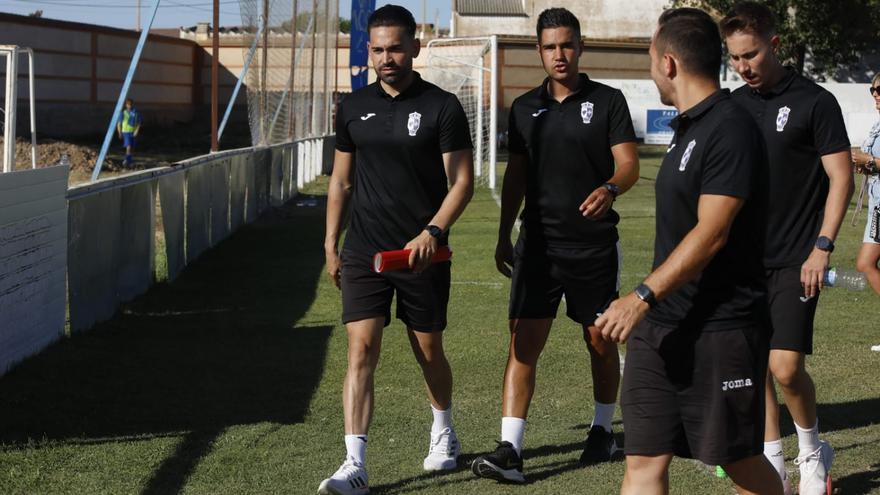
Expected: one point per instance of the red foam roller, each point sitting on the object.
(386, 261)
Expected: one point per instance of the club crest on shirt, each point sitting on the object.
(685, 158)
(782, 118)
(587, 112)
(412, 125)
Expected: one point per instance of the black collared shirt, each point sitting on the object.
(398, 142)
(800, 122)
(569, 149)
(716, 150)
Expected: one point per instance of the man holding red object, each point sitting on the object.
(398, 142)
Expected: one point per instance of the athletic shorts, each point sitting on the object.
(588, 277)
(694, 394)
(421, 297)
(872, 226)
(791, 314)
(128, 139)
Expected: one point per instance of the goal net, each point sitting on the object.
(467, 67)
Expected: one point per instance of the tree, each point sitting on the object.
(302, 23)
(834, 32)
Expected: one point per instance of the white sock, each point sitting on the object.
(808, 439)
(356, 447)
(512, 430)
(442, 419)
(603, 415)
(773, 453)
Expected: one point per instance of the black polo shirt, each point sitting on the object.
(800, 122)
(400, 181)
(569, 149)
(716, 150)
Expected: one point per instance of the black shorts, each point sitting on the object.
(694, 394)
(588, 277)
(421, 298)
(791, 316)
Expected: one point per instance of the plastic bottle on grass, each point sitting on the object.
(845, 279)
(65, 161)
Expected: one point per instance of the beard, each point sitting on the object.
(394, 77)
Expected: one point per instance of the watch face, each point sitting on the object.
(824, 243)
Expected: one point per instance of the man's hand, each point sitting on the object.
(859, 156)
(423, 248)
(504, 257)
(621, 317)
(813, 272)
(597, 203)
(334, 267)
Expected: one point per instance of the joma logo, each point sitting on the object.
(735, 384)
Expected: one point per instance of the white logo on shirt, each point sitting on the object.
(670, 148)
(685, 158)
(782, 118)
(367, 116)
(805, 299)
(539, 112)
(412, 125)
(735, 384)
(587, 112)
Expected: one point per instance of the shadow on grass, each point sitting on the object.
(837, 416)
(859, 483)
(217, 347)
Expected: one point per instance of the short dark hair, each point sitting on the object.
(393, 16)
(558, 17)
(693, 36)
(749, 17)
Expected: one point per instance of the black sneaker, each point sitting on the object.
(502, 465)
(600, 446)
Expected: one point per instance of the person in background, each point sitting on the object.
(867, 161)
(128, 127)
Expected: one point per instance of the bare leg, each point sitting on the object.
(428, 349)
(646, 475)
(797, 386)
(771, 418)
(527, 339)
(364, 344)
(604, 365)
(754, 475)
(866, 262)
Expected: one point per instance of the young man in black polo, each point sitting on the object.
(398, 142)
(565, 137)
(697, 344)
(810, 185)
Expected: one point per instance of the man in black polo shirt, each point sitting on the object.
(697, 347)
(398, 142)
(565, 137)
(810, 185)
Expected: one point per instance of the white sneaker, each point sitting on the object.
(349, 479)
(815, 470)
(443, 452)
(875, 348)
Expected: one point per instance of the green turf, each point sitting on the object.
(228, 380)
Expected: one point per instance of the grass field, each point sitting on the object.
(228, 380)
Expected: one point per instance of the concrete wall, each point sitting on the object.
(80, 68)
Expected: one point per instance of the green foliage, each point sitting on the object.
(834, 32)
(302, 23)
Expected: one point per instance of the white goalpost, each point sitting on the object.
(468, 68)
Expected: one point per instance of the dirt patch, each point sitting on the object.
(50, 152)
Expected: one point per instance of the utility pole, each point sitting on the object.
(215, 75)
(139, 15)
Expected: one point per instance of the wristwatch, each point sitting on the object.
(825, 244)
(645, 293)
(612, 188)
(435, 231)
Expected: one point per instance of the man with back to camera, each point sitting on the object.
(398, 142)
(810, 186)
(565, 137)
(697, 340)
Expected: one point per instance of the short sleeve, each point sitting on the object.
(620, 125)
(515, 141)
(343, 137)
(455, 133)
(829, 129)
(734, 155)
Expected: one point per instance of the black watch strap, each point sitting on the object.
(825, 244)
(435, 231)
(612, 188)
(645, 293)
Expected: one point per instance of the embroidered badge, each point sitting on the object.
(782, 118)
(412, 125)
(685, 158)
(587, 112)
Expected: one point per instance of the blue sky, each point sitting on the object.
(175, 13)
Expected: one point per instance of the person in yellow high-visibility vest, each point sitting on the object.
(128, 127)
